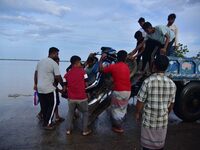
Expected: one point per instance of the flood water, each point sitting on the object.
(16, 77)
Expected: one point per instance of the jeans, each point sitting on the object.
(170, 48)
(82, 106)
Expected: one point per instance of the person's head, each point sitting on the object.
(121, 56)
(148, 28)
(171, 18)
(138, 35)
(141, 21)
(161, 63)
(75, 61)
(53, 52)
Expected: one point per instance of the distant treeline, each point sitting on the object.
(7, 59)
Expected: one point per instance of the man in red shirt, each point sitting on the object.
(121, 90)
(77, 96)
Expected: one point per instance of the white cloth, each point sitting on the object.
(174, 28)
(46, 69)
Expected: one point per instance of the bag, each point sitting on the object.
(35, 98)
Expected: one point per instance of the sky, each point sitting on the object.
(28, 28)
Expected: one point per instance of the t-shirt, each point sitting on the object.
(143, 32)
(121, 76)
(47, 69)
(174, 28)
(159, 34)
(75, 79)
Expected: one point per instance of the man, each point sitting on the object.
(162, 34)
(173, 27)
(141, 22)
(77, 97)
(155, 100)
(47, 71)
(121, 90)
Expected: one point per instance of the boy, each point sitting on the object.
(141, 22)
(75, 80)
(121, 90)
(156, 97)
(173, 27)
(140, 52)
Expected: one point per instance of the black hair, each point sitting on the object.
(172, 16)
(53, 50)
(121, 55)
(138, 35)
(146, 25)
(90, 59)
(141, 19)
(74, 59)
(161, 62)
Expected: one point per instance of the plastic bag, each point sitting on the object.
(35, 98)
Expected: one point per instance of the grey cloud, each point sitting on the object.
(21, 20)
(193, 1)
(36, 6)
(29, 27)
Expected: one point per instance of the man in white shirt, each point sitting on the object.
(173, 27)
(47, 71)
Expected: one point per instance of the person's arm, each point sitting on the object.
(59, 79)
(170, 107)
(141, 98)
(101, 62)
(172, 99)
(164, 49)
(35, 80)
(139, 107)
(137, 48)
(141, 50)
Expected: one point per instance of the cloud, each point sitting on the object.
(21, 20)
(23, 26)
(35, 6)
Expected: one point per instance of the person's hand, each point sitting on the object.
(103, 56)
(137, 117)
(163, 51)
(131, 57)
(176, 47)
(35, 87)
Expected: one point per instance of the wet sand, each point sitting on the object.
(21, 130)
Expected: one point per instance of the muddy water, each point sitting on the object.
(20, 129)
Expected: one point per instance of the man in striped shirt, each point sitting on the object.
(156, 97)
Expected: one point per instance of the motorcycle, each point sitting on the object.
(100, 89)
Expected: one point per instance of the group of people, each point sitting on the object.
(155, 98)
(153, 41)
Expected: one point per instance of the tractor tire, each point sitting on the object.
(187, 105)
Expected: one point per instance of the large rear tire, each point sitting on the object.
(187, 105)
